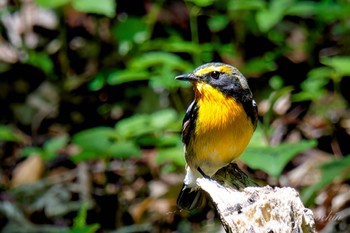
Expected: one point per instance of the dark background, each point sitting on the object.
(90, 113)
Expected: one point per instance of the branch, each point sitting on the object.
(258, 209)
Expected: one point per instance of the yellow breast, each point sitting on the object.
(223, 129)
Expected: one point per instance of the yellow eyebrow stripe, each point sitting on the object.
(206, 70)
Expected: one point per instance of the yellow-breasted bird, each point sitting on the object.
(218, 124)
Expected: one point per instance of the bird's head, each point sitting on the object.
(225, 78)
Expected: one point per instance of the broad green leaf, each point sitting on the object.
(260, 65)
(331, 171)
(269, 17)
(167, 80)
(80, 219)
(339, 64)
(258, 139)
(160, 68)
(170, 140)
(161, 119)
(276, 82)
(159, 140)
(173, 155)
(52, 146)
(86, 155)
(131, 29)
(124, 76)
(227, 50)
(52, 3)
(31, 150)
(103, 142)
(133, 126)
(313, 86)
(273, 159)
(218, 22)
(320, 73)
(202, 3)
(142, 124)
(155, 59)
(124, 150)
(8, 135)
(239, 5)
(306, 8)
(103, 7)
(40, 60)
(97, 82)
(178, 46)
(95, 140)
(328, 11)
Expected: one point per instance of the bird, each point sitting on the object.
(217, 126)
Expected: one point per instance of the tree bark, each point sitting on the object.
(257, 209)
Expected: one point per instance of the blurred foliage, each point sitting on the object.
(272, 159)
(87, 89)
(336, 169)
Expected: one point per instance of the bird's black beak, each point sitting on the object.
(186, 77)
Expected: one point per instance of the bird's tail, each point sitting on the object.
(189, 198)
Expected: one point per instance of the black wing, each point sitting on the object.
(189, 122)
(251, 109)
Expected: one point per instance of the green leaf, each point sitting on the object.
(260, 65)
(52, 146)
(85, 155)
(272, 160)
(124, 150)
(80, 219)
(31, 150)
(177, 46)
(131, 29)
(269, 17)
(313, 86)
(95, 140)
(162, 118)
(202, 3)
(166, 80)
(239, 5)
(136, 125)
(276, 82)
(97, 82)
(7, 134)
(218, 22)
(103, 7)
(169, 140)
(161, 67)
(49, 150)
(124, 76)
(154, 59)
(40, 60)
(51, 3)
(331, 171)
(173, 155)
(302, 9)
(101, 142)
(339, 64)
(329, 12)
(143, 124)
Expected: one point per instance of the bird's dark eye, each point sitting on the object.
(215, 74)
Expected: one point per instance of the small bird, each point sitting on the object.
(217, 127)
